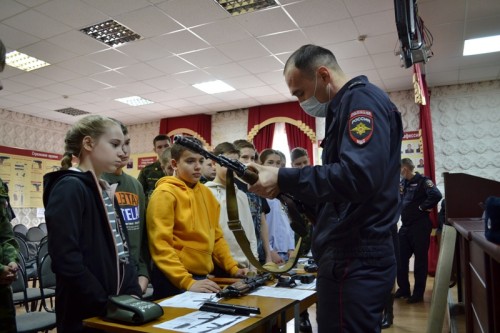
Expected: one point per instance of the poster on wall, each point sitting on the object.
(23, 171)
(137, 162)
(412, 148)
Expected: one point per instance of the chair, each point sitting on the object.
(439, 299)
(47, 282)
(20, 228)
(22, 294)
(35, 234)
(43, 227)
(29, 260)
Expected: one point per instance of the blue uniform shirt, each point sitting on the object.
(357, 188)
(419, 194)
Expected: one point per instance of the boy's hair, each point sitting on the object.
(240, 144)
(408, 163)
(166, 156)
(178, 149)
(282, 155)
(265, 154)
(298, 153)
(161, 137)
(93, 126)
(225, 148)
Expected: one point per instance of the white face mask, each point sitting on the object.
(313, 107)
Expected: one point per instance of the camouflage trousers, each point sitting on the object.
(7, 311)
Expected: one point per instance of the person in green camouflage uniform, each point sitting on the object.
(8, 248)
(152, 172)
(8, 264)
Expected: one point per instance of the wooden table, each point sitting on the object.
(271, 308)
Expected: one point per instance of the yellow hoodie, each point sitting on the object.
(184, 232)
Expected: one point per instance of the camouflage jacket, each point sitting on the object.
(149, 176)
(8, 244)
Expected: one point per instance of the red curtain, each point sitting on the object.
(260, 117)
(429, 166)
(264, 138)
(199, 126)
(297, 138)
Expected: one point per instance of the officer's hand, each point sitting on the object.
(267, 185)
(205, 286)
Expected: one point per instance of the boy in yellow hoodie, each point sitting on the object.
(185, 238)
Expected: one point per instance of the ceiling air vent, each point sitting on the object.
(110, 33)
(72, 111)
(238, 7)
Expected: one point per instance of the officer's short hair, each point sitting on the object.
(309, 57)
(408, 163)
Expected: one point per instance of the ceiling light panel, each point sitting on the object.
(111, 33)
(134, 101)
(24, 62)
(238, 7)
(213, 87)
(482, 45)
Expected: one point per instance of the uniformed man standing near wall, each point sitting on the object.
(419, 196)
(356, 189)
(152, 172)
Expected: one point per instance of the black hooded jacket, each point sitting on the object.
(82, 247)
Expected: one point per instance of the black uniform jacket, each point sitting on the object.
(357, 188)
(82, 247)
(419, 195)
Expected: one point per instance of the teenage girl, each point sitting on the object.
(86, 237)
(281, 235)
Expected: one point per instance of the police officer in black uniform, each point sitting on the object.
(419, 196)
(356, 189)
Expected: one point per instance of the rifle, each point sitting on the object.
(239, 168)
(244, 286)
(298, 211)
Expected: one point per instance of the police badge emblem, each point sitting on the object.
(361, 126)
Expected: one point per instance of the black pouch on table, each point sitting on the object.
(130, 310)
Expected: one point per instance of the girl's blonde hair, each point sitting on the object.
(93, 126)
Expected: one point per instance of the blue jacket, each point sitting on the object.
(419, 194)
(357, 187)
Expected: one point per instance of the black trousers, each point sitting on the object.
(351, 293)
(414, 239)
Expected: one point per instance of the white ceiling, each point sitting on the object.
(191, 41)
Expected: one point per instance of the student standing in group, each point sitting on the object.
(86, 237)
(132, 201)
(207, 171)
(218, 188)
(281, 235)
(185, 238)
(258, 205)
(355, 189)
(150, 174)
(165, 162)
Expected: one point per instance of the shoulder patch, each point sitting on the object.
(361, 126)
(429, 183)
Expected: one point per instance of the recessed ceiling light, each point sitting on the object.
(111, 33)
(134, 101)
(213, 87)
(482, 45)
(237, 7)
(24, 62)
(72, 111)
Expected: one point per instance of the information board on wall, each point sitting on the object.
(137, 162)
(412, 148)
(23, 171)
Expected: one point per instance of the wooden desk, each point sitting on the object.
(480, 265)
(270, 309)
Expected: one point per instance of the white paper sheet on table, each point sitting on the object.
(308, 286)
(201, 322)
(188, 299)
(290, 293)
